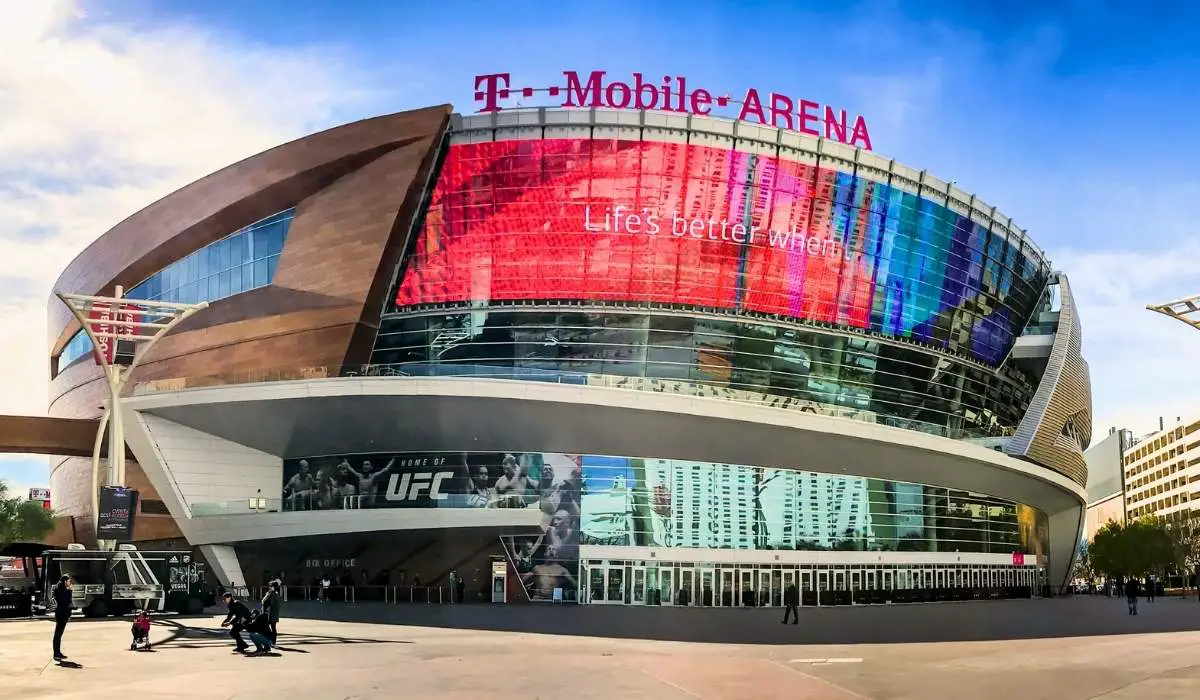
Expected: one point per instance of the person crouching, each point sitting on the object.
(259, 629)
(140, 629)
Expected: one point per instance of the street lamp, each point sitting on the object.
(107, 322)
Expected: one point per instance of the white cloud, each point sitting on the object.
(1141, 362)
(100, 120)
(23, 472)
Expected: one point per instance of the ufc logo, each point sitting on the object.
(408, 487)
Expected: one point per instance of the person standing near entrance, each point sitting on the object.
(1151, 585)
(791, 599)
(1132, 588)
(63, 606)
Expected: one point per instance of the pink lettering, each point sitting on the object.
(640, 98)
(835, 125)
(615, 88)
(701, 102)
(494, 89)
(860, 134)
(808, 115)
(583, 95)
(752, 105)
(781, 106)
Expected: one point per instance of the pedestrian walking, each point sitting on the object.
(63, 606)
(1151, 585)
(791, 599)
(1132, 588)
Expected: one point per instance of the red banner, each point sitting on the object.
(1018, 559)
(101, 320)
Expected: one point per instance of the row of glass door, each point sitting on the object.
(748, 585)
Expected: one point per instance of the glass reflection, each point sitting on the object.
(858, 377)
(676, 503)
(240, 262)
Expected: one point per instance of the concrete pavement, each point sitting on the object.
(1095, 650)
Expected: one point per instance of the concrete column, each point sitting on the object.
(224, 562)
(1066, 528)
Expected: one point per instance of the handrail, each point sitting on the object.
(634, 383)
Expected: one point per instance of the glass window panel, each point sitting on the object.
(261, 278)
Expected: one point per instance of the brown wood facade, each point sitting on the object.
(356, 190)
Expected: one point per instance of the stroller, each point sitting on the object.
(141, 632)
(259, 629)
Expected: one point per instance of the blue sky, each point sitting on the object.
(1075, 118)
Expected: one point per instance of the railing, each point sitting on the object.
(437, 595)
(302, 503)
(631, 383)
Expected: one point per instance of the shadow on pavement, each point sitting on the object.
(68, 664)
(182, 636)
(937, 622)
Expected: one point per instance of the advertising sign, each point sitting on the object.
(117, 507)
(705, 228)
(42, 495)
(549, 482)
(1018, 558)
(673, 93)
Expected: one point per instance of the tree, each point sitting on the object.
(1185, 542)
(22, 520)
(1136, 548)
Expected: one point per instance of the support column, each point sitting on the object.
(1066, 528)
(224, 563)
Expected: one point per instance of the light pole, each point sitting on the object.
(109, 321)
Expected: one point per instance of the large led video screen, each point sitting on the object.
(606, 220)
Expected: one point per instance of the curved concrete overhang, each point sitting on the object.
(356, 415)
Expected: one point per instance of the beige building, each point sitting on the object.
(1161, 471)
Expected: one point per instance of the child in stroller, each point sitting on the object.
(259, 629)
(140, 631)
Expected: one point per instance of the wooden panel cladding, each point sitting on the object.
(67, 437)
(356, 190)
(229, 199)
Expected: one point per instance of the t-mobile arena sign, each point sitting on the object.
(674, 95)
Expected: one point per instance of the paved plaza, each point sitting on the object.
(1063, 648)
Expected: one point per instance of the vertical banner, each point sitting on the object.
(100, 318)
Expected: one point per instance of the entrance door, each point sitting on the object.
(595, 584)
(746, 588)
(727, 590)
(666, 586)
(687, 594)
(614, 584)
(806, 583)
(787, 577)
(640, 586)
(768, 588)
(707, 595)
